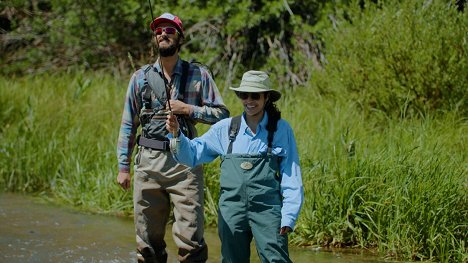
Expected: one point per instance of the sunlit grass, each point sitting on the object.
(397, 185)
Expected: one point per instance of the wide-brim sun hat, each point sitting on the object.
(257, 81)
(168, 18)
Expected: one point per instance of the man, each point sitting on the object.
(158, 178)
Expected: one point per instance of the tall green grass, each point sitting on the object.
(58, 137)
(396, 185)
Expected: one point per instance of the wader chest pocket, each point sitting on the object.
(246, 165)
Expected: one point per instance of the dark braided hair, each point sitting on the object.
(274, 115)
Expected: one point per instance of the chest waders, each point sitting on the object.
(161, 184)
(250, 205)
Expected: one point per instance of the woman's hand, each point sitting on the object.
(285, 230)
(172, 125)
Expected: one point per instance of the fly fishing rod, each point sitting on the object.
(174, 143)
(166, 85)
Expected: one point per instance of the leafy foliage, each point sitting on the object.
(243, 34)
(403, 59)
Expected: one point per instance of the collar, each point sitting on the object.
(177, 68)
(261, 125)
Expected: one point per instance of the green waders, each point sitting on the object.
(250, 206)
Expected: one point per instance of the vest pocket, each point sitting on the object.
(156, 129)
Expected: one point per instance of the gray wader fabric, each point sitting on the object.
(250, 206)
(158, 180)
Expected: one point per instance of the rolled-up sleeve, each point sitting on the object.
(292, 189)
(129, 125)
(212, 108)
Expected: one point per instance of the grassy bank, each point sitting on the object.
(397, 185)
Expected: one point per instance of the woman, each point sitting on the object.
(261, 186)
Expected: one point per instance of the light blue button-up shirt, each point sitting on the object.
(215, 142)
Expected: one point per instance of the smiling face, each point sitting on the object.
(254, 103)
(168, 40)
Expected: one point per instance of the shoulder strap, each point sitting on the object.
(146, 96)
(155, 82)
(183, 80)
(198, 63)
(233, 131)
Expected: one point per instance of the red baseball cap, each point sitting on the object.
(168, 18)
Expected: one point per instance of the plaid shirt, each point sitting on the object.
(202, 94)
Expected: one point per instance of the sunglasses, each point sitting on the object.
(168, 30)
(245, 95)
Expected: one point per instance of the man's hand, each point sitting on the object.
(179, 107)
(285, 230)
(123, 179)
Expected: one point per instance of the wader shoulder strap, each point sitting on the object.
(183, 120)
(233, 131)
(183, 80)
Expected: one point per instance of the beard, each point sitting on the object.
(169, 50)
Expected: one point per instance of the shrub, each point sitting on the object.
(403, 59)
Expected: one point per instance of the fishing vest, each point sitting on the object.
(153, 112)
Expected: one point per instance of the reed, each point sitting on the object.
(396, 185)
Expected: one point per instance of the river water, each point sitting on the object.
(34, 231)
